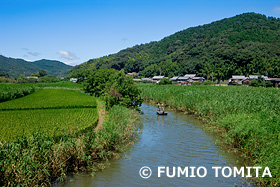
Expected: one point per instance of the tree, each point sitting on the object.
(3, 74)
(122, 90)
(164, 81)
(42, 73)
(114, 87)
(49, 79)
(80, 74)
(22, 79)
(95, 84)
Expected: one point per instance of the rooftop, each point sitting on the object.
(190, 75)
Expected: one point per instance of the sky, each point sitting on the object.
(74, 31)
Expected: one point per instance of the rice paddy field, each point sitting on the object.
(246, 117)
(52, 111)
(62, 84)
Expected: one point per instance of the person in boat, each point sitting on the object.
(162, 108)
(158, 106)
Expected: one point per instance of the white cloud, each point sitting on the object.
(67, 55)
(277, 9)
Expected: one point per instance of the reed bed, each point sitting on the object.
(13, 91)
(247, 118)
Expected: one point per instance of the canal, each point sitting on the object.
(173, 140)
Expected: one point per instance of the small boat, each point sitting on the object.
(161, 112)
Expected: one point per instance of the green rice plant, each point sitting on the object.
(53, 121)
(62, 84)
(50, 110)
(51, 99)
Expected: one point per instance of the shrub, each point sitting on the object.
(208, 82)
(165, 81)
(196, 83)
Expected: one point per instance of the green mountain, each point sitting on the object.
(15, 67)
(244, 44)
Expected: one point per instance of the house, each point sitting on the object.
(146, 79)
(174, 79)
(276, 82)
(132, 74)
(198, 79)
(190, 75)
(236, 79)
(74, 80)
(252, 77)
(265, 78)
(248, 80)
(32, 77)
(183, 79)
(156, 79)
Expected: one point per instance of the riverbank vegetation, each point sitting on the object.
(13, 91)
(246, 117)
(59, 136)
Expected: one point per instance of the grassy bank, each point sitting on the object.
(40, 159)
(247, 117)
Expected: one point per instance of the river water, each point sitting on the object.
(174, 140)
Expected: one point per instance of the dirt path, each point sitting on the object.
(101, 115)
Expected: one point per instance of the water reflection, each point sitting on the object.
(160, 119)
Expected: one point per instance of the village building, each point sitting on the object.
(174, 79)
(156, 79)
(74, 80)
(198, 79)
(132, 74)
(236, 79)
(32, 77)
(242, 80)
(183, 79)
(190, 75)
(146, 79)
(248, 80)
(188, 78)
(276, 82)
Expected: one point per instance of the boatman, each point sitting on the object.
(158, 106)
(162, 107)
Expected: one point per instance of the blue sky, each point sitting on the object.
(74, 31)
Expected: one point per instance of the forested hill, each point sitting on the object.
(15, 67)
(245, 44)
